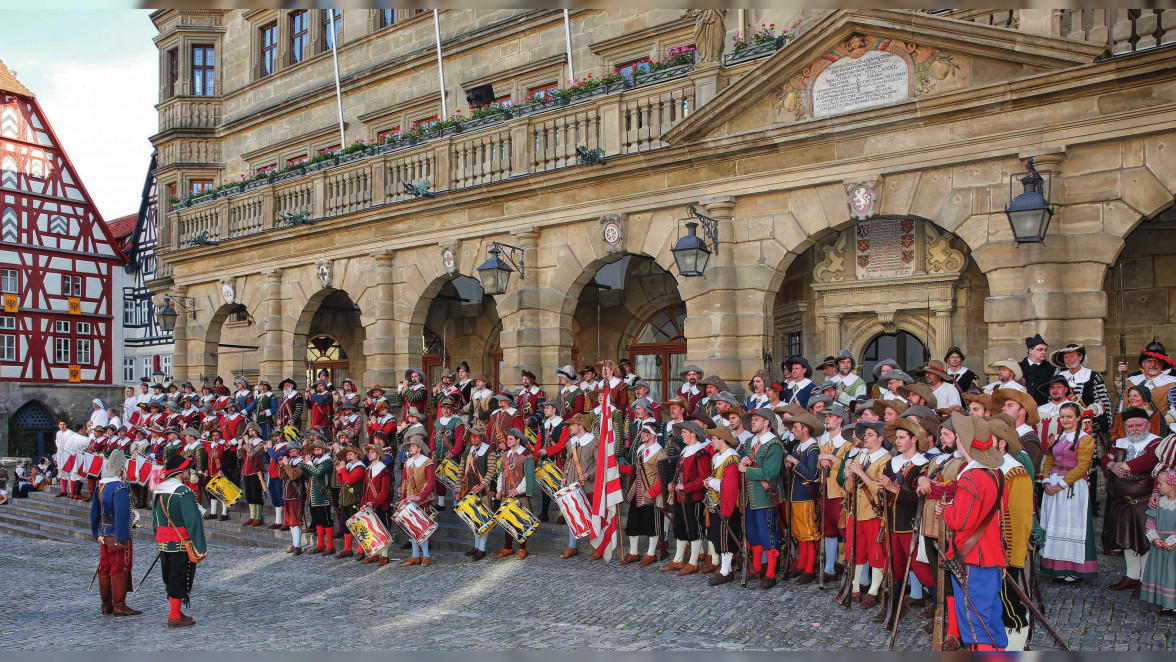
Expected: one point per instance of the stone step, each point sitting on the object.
(30, 532)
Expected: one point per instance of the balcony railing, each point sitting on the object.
(1123, 31)
(624, 122)
(190, 113)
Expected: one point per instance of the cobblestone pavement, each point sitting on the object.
(247, 598)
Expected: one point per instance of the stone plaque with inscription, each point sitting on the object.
(885, 248)
(876, 78)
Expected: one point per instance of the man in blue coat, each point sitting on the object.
(111, 519)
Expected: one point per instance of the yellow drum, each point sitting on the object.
(448, 474)
(519, 521)
(549, 477)
(224, 490)
(475, 514)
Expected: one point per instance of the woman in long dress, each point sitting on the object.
(1069, 553)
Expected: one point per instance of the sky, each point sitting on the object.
(95, 75)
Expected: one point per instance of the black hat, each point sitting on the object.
(1034, 341)
(176, 464)
(1155, 350)
(793, 360)
(954, 350)
(1135, 412)
(463, 366)
(1057, 379)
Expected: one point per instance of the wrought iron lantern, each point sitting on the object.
(1030, 212)
(690, 251)
(495, 272)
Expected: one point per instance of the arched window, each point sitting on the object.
(8, 172)
(903, 347)
(8, 123)
(324, 352)
(658, 351)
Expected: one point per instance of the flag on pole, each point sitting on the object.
(607, 490)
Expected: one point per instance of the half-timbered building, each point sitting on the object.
(147, 348)
(60, 323)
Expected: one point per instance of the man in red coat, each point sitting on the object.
(973, 517)
(529, 398)
(382, 421)
(689, 390)
(1128, 467)
(507, 416)
(377, 492)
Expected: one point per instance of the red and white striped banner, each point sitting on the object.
(607, 492)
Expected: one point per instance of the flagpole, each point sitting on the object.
(440, 65)
(338, 88)
(568, 43)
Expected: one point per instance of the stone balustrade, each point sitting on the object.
(631, 121)
(1122, 30)
(190, 113)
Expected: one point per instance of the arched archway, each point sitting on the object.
(453, 322)
(330, 319)
(879, 277)
(31, 430)
(903, 346)
(230, 344)
(628, 306)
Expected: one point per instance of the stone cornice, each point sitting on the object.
(642, 36)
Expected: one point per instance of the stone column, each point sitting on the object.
(271, 364)
(384, 334)
(708, 82)
(180, 363)
(832, 336)
(942, 331)
(522, 327)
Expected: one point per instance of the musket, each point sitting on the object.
(952, 566)
(846, 598)
(1032, 608)
(884, 533)
(824, 473)
(94, 576)
(910, 557)
(940, 592)
(148, 573)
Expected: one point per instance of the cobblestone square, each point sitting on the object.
(252, 599)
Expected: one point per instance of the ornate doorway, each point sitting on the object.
(324, 352)
(903, 347)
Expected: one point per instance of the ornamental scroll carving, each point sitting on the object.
(941, 257)
(831, 268)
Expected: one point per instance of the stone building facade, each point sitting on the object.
(858, 173)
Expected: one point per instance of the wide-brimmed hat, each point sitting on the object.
(417, 440)
(922, 390)
(938, 368)
(845, 354)
(797, 360)
(382, 403)
(604, 363)
(176, 464)
(643, 402)
(241, 380)
(678, 400)
(863, 405)
(762, 374)
(527, 373)
(922, 443)
(837, 410)
(1056, 379)
(816, 428)
(255, 427)
(919, 411)
(379, 448)
(983, 398)
(372, 391)
(446, 401)
(722, 432)
(737, 410)
(828, 385)
(588, 368)
(516, 433)
(449, 374)
(1155, 350)
(568, 372)
(221, 389)
(506, 397)
(728, 397)
(972, 433)
(790, 409)
(827, 362)
(715, 381)
(231, 403)
(478, 429)
(691, 368)
(1002, 427)
(316, 442)
(189, 432)
(347, 404)
(692, 425)
(582, 420)
(876, 426)
(413, 411)
(408, 375)
(114, 464)
(882, 364)
(291, 382)
(764, 413)
(897, 405)
(820, 398)
(482, 377)
(897, 374)
(1013, 367)
(342, 454)
(1002, 395)
(1055, 357)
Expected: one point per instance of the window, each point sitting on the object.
(9, 281)
(129, 370)
(200, 186)
(71, 286)
(633, 68)
(84, 345)
(542, 90)
(84, 328)
(505, 101)
(297, 160)
(658, 351)
(61, 326)
(299, 35)
(165, 364)
(173, 71)
(334, 149)
(171, 190)
(8, 341)
(148, 367)
(383, 135)
(792, 343)
(425, 122)
(266, 169)
(390, 17)
(203, 71)
(134, 311)
(331, 29)
(9, 231)
(61, 350)
(269, 48)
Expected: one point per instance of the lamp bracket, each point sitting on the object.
(710, 226)
(182, 304)
(509, 253)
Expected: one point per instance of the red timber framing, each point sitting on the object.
(60, 305)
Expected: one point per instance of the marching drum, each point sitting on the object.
(448, 474)
(369, 531)
(415, 521)
(550, 478)
(475, 514)
(139, 470)
(576, 510)
(221, 488)
(519, 521)
(92, 465)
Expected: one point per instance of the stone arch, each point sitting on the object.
(466, 320)
(332, 312)
(216, 359)
(31, 430)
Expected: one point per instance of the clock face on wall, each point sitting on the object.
(612, 233)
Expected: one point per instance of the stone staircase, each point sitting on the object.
(45, 516)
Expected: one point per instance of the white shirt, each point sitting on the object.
(416, 462)
(130, 405)
(583, 440)
(717, 460)
(947, 395)
(898, 462)
(99, 417)
(1012, 385)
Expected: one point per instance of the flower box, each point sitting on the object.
(451, 130)
(485, 121)
(354, 156)
(321, 165)
(532, 108)
(257, 183)
(293, 174)
(756, 51)
(662, 75)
